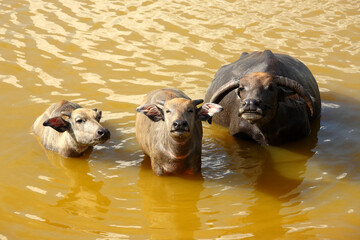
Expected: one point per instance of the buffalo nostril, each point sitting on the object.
(251, 102)
(180, 124)
(104, 133)
(255, 102)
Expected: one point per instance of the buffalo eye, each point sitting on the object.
(190, 110)
(80, 121)
(271, 87)
(240, 89)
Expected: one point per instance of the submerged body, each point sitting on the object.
(169, 130)
(270, 97)
(69, 129)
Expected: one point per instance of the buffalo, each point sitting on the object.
(169, 130)
(269, 97)
(69, 129)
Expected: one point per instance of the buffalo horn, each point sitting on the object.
(292, 84)
(161, 102)
(66, 113)
(225, 89)
(198, 101)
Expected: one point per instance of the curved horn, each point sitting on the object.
(292, 84)
(160, 102)
(198, 101)
(225, 89)
(66, 113)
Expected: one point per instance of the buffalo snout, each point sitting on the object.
(104, 134)
(251, 110)
(180, 125)
(251, 105)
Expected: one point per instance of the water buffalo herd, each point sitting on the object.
(269, 97)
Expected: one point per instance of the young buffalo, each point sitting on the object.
(69, 129)
(169, 130)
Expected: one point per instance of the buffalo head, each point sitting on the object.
(179, 115)
(83, 124)
(260, 93)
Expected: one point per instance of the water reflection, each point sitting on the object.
(273, 186)
(170, 203)
(263, 175)
(306, 145)
(84, 197)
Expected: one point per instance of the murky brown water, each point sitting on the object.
(108, 55)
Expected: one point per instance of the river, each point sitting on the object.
(108, 54)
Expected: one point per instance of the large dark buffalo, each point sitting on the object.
(169, 130)
(270, 97)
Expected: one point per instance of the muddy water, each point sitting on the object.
(108, 55)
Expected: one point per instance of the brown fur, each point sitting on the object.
(170, 150)
(71, 129)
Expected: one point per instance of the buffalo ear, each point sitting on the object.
(151, 111)
(284, 92)
(208, 110)
(98, 114)
(57, 123)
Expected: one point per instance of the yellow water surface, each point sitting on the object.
(108, 54)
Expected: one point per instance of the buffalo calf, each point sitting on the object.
(69, 129)
(169, 130)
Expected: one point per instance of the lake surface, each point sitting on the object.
(108, 55)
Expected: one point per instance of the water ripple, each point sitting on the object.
(109, 54)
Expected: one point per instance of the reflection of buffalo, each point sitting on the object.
(256, 177)
(270, 97)
(170, 204)
(169, 130)
(84, 197)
